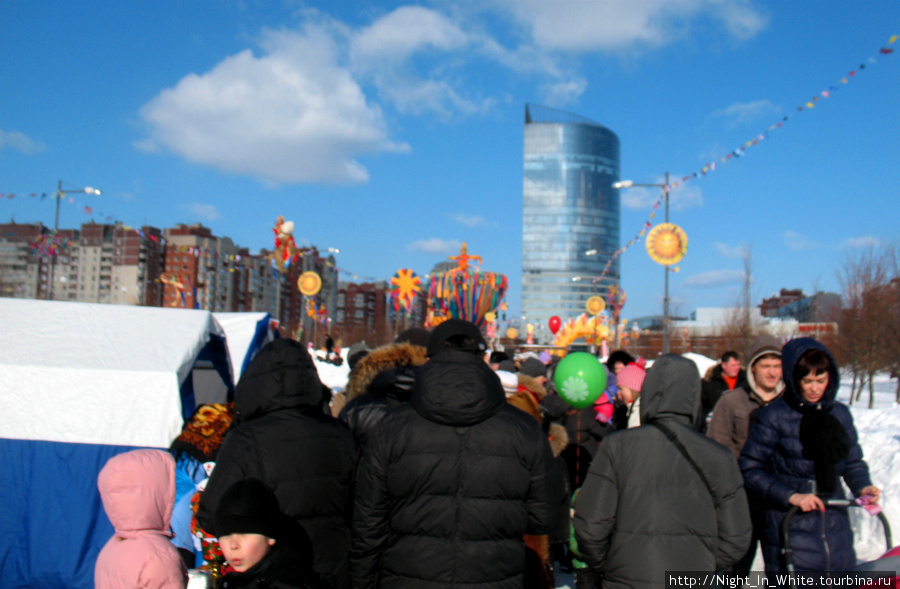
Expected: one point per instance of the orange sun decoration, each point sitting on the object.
(667, 244)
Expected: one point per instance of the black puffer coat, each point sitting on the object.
(381, 381)
(282, 568)
(449, 484)
(644, 510)
(281, 436)
(774, 469)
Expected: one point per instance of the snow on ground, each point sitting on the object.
(334, 377)
(879, 436)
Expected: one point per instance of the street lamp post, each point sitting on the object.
(59, 197)
(665, 188)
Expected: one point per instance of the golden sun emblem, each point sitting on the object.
(667, 243)
(309, 283)
(595, 305)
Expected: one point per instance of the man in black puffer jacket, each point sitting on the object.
(381, 381)
(449, 484)
(644, 508)
(281, 436)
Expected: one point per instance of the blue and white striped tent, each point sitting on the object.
(80, 383)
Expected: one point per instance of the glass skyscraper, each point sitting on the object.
(570, 215)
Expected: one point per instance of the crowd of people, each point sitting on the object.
(446, 464)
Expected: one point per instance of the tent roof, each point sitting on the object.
(90, 373)
(245, 332)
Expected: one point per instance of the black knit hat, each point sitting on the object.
(451, 328)
(248, 506)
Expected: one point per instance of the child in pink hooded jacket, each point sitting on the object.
(138, 493)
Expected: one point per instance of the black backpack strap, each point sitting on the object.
(674, 439)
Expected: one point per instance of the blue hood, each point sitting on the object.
(789, 356)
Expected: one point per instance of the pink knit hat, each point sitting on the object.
(632, 376)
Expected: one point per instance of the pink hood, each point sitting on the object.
(138, 492)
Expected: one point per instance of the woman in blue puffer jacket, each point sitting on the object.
(799, 449)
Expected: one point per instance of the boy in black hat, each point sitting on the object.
(259, 544)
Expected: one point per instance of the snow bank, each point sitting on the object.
(879, 436)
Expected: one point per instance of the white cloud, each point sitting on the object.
(202, 211)
(741, 18)
(406, 31)
(563, 92)
(383, 53)
(798, 242)
(612, 25)
(20, 142)
(302, 106)
(640, 198)
(292, 115)
(714, 279)
(865, 241)
(471, 221)
(435, 245)
(730, 251)
(740, 113)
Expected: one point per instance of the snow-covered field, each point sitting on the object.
(879, 435)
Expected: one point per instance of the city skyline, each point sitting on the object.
(392, 131)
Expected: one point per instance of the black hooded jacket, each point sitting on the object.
(281, 436)
(381, 381)
(388, 390)
(449, 484)
(644, 509)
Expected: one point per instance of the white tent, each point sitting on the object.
(246, 333)
(81, 383)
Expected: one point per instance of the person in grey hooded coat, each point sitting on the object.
(645, 509)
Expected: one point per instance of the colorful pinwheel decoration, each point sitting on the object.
(405, 285)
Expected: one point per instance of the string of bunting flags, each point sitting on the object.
(66, 198)
(741, 150)
(810, 104)
(644, 229)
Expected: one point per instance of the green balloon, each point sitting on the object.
(580, 379)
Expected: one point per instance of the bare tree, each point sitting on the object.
(892, 318)
(864, 280)
(740, 325)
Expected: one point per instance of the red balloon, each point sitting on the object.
(554, 324)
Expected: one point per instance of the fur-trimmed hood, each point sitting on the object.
(533, 386)
(530, 393)
(558, 438)
(379, 360)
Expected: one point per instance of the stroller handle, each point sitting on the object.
(788, 552)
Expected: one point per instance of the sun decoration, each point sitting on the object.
(309, 283)
(595, 305)
(405, 286)
(667, 243)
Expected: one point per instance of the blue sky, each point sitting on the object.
(393, 130)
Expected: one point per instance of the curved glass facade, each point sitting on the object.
(569, 211)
